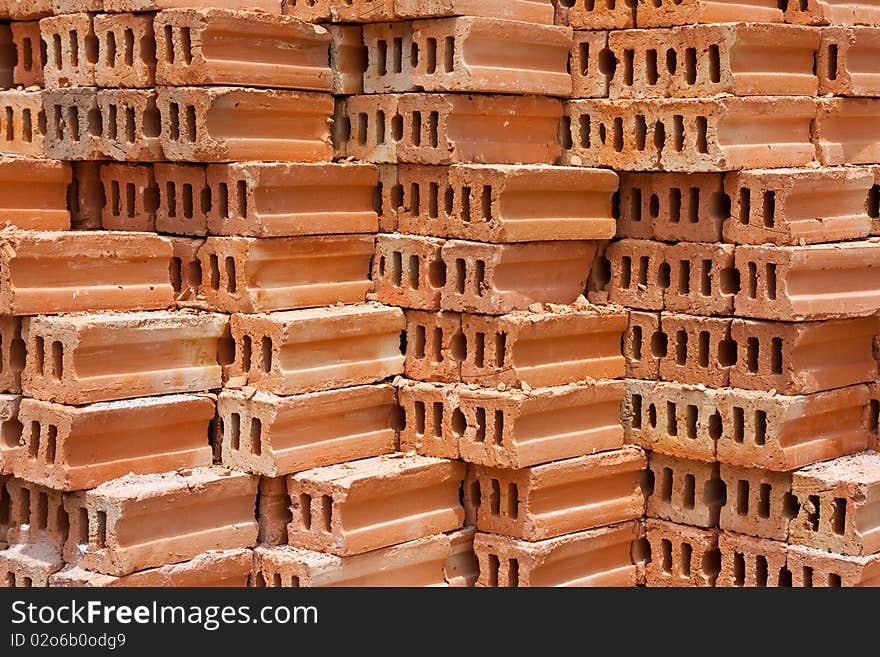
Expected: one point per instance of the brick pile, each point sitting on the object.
(334, 293)
(747, 157)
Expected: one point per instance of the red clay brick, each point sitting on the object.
(12, 354)
(592, 64)
(759, 502)
(132, 197)
(241, 48)
(703, 280)
(739, 59)
(683, 490)
(218, 124)
(795, 358)
(844, 131)
(27, 566)
(142, 354)
(639, 273)
(364, 505)
(783, 433)
(644, 345)
(119, 271)
(819, 281)
(448, 129)
(596, 557)
(497, 279)
(77, 447)
(690, 135)
(408, 271)
(33, 194)
(131, 125)
(830, 12)
(640, 553)
(30, 57)
(838, 499)
(317, 349)
(269, 199)
(71, 50)
(253, 275)
(23, 123)
(435, 346)
(126, 50)
(183, 199)
(74, 124)
(85, 196)
(224, 568)
(752, 562)
(797, 206)
(699, 350)
(462, 568)
(607, 15)
(10, 443)
(817, 568)
(415, 563)
(668, 12)
(348, 59)
(846, 61)
(270, 435)
(273, 511)
(433, 423)
(37, 514)
(491, 203)
(145, 521)
(186, 271)
(549, 500)
(681, 555)
(667, 206)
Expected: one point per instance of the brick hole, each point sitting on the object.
(686, 552)
(770, 269)
(235, 431)
(246, 351)
(702, 130)
(112, 123)
(635, 204)
(398, 418)
(396, 268)
(115, 199)
(703, 349)
(776, 356)
(419, 410)
(641, 551)
(738, 425)
(832, 61)
(10, 126)
(500, 348)
(584, 130)
(416, 129)
(129, 125)
(415, 199)
(659, 344)
(874, 416)
(617, 134)
(498, 427)
(419, 341)
(834, 580)
(465, 215)
(147, 47)
(57, 363)
(214, 266)
(449, 55)
(671, 60)
(101, 530)
(512, 573)
(327, 512)
(479, 277)
(431, 56)
(276, 581)
(458, 423)
(838, 516)
(34, 439)
(714, 63)
(448, 200)
(807, 576)
(190, 123)
(42, 511)
(5, 506)
(460, 275)
(73, 43)
(305, 511)
(187, 198)
(10, 433)
(130, 200)
(564, 133)
(790, 506)
(628, 57)
(437, 344)
(625, 271)
(56, 50)
(175, 274)
(681, 347)
(58, 121)
(684, 277)
(785, 579)
(666, 485)
(666, 556)
(380, 128)
(752, 280)
(51, 443)
(24, 505)
(706, 278)
(397, 129)
(73, 122)
(728, 280)
(494, 497)
(644, 264)
(678, 133)
(494, 568)
(646, 481)
(185, 45)
(397, 54)
(873, 202)
(480, 435)
(716, 426)
(690, 66)
(382, 58)
(739, 569)
(476, 497)
(27, 130)
(760, 428)
(602, 133)
(813, 512)
(362, 126)
(413, 271)
(151, 121)
(742, 497)
(486, 203)
(256, 436)
(26, 582)
(434, 129)
(637, 411)
(39, 355)
(512, 501)
(169, 44)
(654, 206)
(719, 205)
(83, 526)
(458, 347)
(433, 200)
(584, 58)
(174, 121)
(764, 500)
(691, 416)
(651, 67)
(437, 418)
(266, 354)
(761, 574)
(727, 352)
(690, 491)
(636, 342)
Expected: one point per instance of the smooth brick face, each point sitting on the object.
(689, 135)
(681, 490)
(817, 568)
(270, 435)
(269, 199)
(348, 58)
(357, 507)
(71, 50)
(30, 59)
(414, 564)
(497, 203)
(251, 275)
(744, 60)
(408, 271)
(219, 124)
(301, 351)
(591, 63)
(448, 129)
(808, 282)
(672, 207)
(462, 569)
(72, 448)
(23, 123)
(828, 12)
(138, 522)
(220, 568)
(797, 206)
(803, 357)
(85, 196)
(132, 197)
(497, 279)
(759, 502)
(73, 124)
(519, 503)
(118, 272)
(838, 499)
(681, 555)
(602, 558)
(668, 12)
(241, 48)
(183, 355)
(752, 562)
(33, 194)
(126, 50)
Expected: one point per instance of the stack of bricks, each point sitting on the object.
(747, 156)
